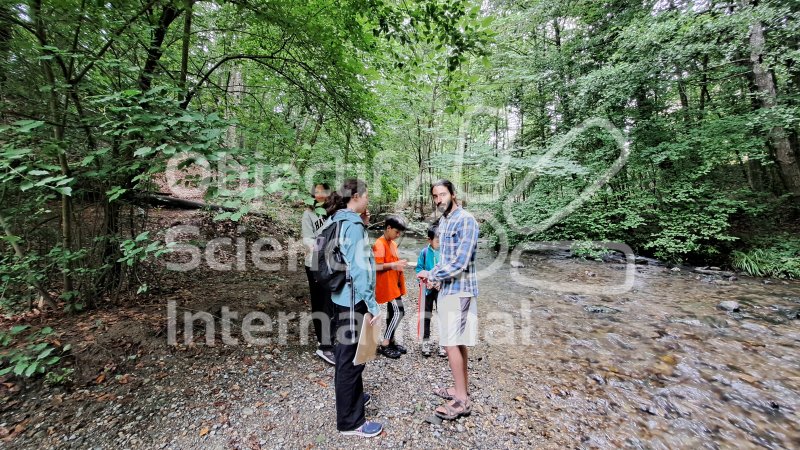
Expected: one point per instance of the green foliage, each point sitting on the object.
(782, 260)
(701, 177)
(30, 356)
(59, 376)
(21, 167)
(693, 222)
(139, 250)
(588, 250)
(16, 276)
(273, 94)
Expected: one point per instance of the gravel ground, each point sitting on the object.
(657, 367)
(262, 397)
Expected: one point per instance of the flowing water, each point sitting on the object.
(659, 365)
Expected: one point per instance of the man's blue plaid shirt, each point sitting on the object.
(458, 244)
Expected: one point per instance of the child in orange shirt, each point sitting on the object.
(390, 284)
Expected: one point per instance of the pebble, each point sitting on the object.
(729, 305)
(434, 419)
(648, 409)
(598, 309)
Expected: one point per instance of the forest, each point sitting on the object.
(672, 126)
(97, 98)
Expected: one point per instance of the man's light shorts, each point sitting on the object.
(458, 319)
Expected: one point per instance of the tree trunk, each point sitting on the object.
(154, 52)
(704, 95)
(111, 275)
(235, 89)
(683, 96)
(187, 33)
(57, 110)
(784, 154)
(12, 239)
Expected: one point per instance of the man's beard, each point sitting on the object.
(444, 208)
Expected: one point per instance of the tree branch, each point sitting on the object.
(196, 88)
(111, 41)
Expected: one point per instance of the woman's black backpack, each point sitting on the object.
(327, 260)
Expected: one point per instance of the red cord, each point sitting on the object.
(421, 310)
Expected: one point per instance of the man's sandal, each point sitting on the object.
(443, 393)
(455, 410)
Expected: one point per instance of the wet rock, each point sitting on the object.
(599, 309)
(715, 322)
(721, 379)
(755, 327)
(729, 305)
(714, 271)
(791, 314)
(649, 409)
(614, 258)
(649, 261)
(599, 379)
(687, 321)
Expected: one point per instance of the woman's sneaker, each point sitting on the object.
(368, 429)
(442, 352)
(398, 347)
(426, 349)
(327, 356)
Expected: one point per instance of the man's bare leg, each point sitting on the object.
(456, 356)
(463, 349)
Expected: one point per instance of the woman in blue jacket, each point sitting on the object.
(354, 300)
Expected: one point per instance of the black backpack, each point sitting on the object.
(327, 260)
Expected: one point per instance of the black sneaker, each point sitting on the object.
(367, 399)
(398, 347)
(388, 352)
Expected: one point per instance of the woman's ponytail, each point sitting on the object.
(340, 198)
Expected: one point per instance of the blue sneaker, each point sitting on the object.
(367, 399)
(368, 429)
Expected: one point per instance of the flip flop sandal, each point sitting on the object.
(455, 410)
(442, 392)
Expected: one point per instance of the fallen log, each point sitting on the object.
(152, 199)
